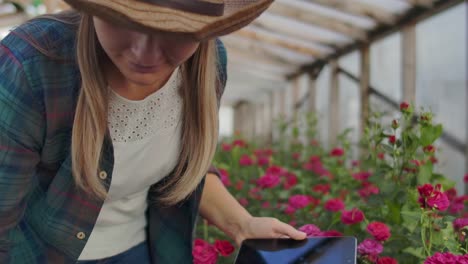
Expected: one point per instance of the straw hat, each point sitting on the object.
(198, 19)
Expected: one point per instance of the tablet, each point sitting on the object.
(313, 250)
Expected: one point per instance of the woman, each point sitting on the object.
(109, 120)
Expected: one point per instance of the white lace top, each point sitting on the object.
(145, 136)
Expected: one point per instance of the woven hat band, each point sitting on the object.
(200, 7)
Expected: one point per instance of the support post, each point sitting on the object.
(364, 88)
(334, 108)
(409, 63)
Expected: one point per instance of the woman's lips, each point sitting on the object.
(142, 68)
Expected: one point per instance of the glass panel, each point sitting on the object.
(349, 107)
(323, 99)
(385, 62)
(351, 63)
(450, 164)
(441, 67)
(226, 121)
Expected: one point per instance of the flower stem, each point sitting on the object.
(205, 230)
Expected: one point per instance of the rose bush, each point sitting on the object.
(389, 197)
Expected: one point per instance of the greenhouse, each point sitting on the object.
(340, 118)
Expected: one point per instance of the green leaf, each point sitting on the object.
(417, 252)
(429, 134)
(411, 219)
(425, 173)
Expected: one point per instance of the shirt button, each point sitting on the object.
(103, 175)
(80, 235)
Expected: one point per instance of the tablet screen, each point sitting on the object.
(314, 250)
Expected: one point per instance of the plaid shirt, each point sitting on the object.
(44, 218)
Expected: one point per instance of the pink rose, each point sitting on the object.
(223, 247)
(438, 200)
(368, 190)
(225, 177)
(239, 143)
(226, 147)
(387, 260)
(465, 179)
(460, 223)
(451, 193)
(243, 201)
(299, 201)
(204, 253)
(268, 181)
(245, 160)
(334, 205)
(370, 247)
(458, 204)
(379, 231)
(337, 152)
(290, 210)
(310, 229)
(442, 258)
(353, 216)
(266, 205)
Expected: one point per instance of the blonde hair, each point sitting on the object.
(199, 117)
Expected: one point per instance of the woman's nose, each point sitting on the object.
(145, 48)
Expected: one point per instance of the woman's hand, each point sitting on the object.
(267, 227)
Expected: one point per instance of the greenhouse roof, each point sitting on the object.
(295, 36)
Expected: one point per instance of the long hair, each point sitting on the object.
(199, 116)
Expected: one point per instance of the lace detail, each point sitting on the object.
(130, 120)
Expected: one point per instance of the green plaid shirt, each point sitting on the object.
(43, 217)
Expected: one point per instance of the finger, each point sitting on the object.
(290, 231)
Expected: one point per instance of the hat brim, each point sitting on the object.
(151, 18)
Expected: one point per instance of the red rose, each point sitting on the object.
(275, 170)
(368, 190)
(290, 210)
(458, 204)
(379, 231)
(321, 188)
(245, 160)
(268, 181)
(362, 176)
(296, 156)
(425, 190)
(224, 247)
(381, 156)
(438, 200)
(429, 149)
(337, 152)
(387, 260)
(392, 139)
(239, 185)
(204, 253)
(404, 106)
(334, 205)
(353, 216)
(266, 205)
(262, 160)
(465, 179)
(291, 181)
(451, 193)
